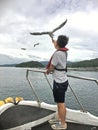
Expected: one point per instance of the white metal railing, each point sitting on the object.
(84, 78)
(44, 72)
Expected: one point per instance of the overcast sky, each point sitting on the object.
(20, 17)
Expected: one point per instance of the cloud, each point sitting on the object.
(20, 17)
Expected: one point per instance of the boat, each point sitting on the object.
(21, 114)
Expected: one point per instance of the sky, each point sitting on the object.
(20, 17)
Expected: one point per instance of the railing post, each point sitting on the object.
(43, 71)
(37, 98)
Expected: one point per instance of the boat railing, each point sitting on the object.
(71, 76)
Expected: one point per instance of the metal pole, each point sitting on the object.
(38, 99)
(82, 108)
(48, 81)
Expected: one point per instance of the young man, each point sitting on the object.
(57, 66)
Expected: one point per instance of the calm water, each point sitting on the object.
(13, 83)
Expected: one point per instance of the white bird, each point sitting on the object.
(50, 33)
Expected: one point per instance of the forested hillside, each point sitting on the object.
(30, 64)
(85, 63)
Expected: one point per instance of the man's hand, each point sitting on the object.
(50, 69)
(47, 72)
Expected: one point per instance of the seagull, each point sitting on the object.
(23, 48)
(36, 44)
(51, 32)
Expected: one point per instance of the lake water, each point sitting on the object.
(13, 83)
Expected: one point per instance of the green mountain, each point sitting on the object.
(30, 64)
(85, 63)
(44, 63)
(35, 64)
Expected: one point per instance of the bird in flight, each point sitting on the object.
(36, 44)
(50, 33)
(23, 48)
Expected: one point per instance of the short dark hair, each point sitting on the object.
(62, 41)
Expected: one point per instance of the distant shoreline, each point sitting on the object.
(68, 68)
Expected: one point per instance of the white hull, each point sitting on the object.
(75, 116)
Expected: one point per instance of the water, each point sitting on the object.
(13, 83)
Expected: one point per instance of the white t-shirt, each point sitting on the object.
(59, 60)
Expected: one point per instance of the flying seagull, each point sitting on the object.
(50, 33)
(23, 48)
(36, 44)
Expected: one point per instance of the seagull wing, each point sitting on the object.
(39, 33)
(51, 32)
(60, 26)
